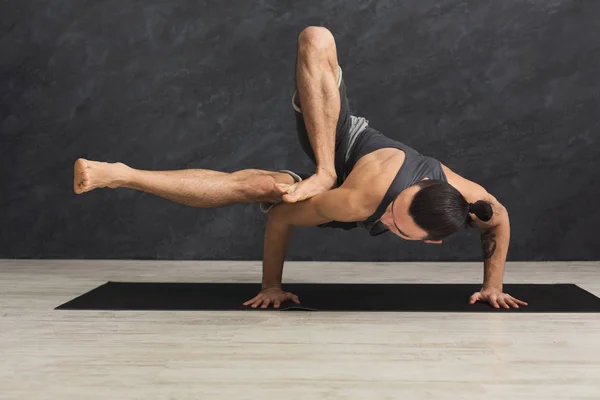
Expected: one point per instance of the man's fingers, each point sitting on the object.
(503, 303)
(256, 303)
(494, 302)
(474, 298)
(288, 198)
(520, 302)
(512, 303)
(293, 297)
(263, 301)
(257, 300)
(282, 187)
(291, 188)
(252, 300)
(266, 303)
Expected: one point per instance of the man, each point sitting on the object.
(362, 180)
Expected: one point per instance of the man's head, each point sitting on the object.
(430, 211)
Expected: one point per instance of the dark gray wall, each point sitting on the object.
(506, 93)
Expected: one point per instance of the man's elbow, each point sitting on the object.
(502, 211)
(358, 209)
(278, 216)
(499, 211)
(501, 218)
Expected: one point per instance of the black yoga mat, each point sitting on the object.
(330, 297)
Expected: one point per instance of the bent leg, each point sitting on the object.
(317, 73)
(191, 187)
(317, 101)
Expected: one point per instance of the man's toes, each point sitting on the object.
(83, 185)
(77, 188)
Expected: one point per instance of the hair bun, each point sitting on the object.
(482, 209)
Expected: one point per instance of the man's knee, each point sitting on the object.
(317, 38)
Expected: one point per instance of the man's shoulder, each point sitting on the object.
(370, 180)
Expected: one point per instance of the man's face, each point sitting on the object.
(397, 219)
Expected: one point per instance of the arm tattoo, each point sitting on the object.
(488, 244)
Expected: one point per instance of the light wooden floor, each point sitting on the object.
(47, 354)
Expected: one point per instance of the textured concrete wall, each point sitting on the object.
(506, 93)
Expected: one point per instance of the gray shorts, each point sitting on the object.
(348, 129)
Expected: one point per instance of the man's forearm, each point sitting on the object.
(278, 234)
(494, 243)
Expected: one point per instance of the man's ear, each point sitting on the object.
(433, 241)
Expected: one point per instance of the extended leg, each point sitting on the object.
(192, 187)
(317, 88)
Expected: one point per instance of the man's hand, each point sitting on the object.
(496, 298)
(270, 295)
(318, 183)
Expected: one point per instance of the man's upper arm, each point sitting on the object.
(334, 205)
(341, 204)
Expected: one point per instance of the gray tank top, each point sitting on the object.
(415, 168)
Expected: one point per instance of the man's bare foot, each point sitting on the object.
(304, 190)
(89, 175)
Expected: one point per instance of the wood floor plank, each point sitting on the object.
(48, 354)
